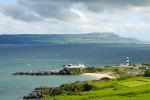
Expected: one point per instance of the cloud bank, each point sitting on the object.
(37, 10)
(124, 17)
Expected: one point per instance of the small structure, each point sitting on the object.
(134, 72)
(147, 67)
(74, 66)
(127, 61)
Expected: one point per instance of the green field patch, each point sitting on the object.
(136, 82)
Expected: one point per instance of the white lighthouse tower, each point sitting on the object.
(127, 61)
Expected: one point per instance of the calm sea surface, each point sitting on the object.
(43, 57)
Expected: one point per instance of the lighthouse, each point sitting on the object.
(127, 61)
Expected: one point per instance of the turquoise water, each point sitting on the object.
(43, 57)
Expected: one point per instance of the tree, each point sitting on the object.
(147, 73)
(87, 87)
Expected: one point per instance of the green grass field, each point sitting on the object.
(135, 82)
(130, 89)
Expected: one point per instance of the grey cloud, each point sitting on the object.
(36, 10)
(49, 8)
(100, 5)
(19, 12)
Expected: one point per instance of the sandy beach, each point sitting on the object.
(98, 75)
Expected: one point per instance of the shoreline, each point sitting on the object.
(98, 76)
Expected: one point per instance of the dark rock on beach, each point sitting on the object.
(64, 71)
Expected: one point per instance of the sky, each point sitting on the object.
(127, 18)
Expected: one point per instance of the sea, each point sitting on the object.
(37, 57)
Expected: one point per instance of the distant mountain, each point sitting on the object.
(66, 39)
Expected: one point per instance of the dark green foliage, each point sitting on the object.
(56, 91)
(147, 73)
(105, 79)
(72, 87)
(92, 69)
(118, 70)
(146, 63)
(107, 66)
(142, 68)
(76, 71)
(87, 87)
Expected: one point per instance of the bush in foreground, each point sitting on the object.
(147, 73)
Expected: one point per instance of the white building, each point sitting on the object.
(74, 66)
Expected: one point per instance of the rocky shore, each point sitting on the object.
(64, 71)
(67, 89)
(39, 92)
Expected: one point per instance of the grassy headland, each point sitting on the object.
(135, 88)
(126, 86)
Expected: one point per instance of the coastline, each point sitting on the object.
(98, 76)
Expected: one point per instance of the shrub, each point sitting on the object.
(92, 69)
(147, 73)
(87, 87)
(56, 91)
(105, 79)
(76, 71)
(118, 71)
(146, 63)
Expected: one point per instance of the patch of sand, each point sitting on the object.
(98, 75)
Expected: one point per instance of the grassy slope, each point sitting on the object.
(130, 89)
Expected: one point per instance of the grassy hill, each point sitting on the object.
(66, 39)
(137, 88)
(125, 86)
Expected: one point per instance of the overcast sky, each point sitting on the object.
(129, 18)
